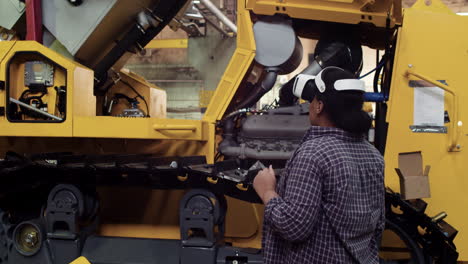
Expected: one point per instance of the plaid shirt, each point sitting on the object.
(330, 207)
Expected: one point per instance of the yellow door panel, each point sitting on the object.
(144, 128)
(433, 45)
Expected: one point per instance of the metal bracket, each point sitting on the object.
(201, 226)
(64, 207)
(201, 211)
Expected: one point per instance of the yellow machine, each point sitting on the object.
(93, 170)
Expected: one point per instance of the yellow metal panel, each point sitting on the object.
(167, 44)
(209, 132)
(245, 36)
(5, 47)
(432, 44)
(205, 98)
(35, 129)
(237, 67)
(84, 85)
(148, 221)
(143, 128)
(80, 260)
(340, 11)
(84, 101)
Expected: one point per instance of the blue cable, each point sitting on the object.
(381, 64)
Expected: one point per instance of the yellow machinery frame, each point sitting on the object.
(424, 30)
(89, 126)
(432, 46)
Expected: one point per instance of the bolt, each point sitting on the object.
(410, 65)
(235, 262)
(458, 146)
(31, 239)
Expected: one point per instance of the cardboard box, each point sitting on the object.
(414, 182)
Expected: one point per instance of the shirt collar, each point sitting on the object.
(318, 131)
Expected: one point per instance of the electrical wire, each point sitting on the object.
(138, 95)
(381, 64)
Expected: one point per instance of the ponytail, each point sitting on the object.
(356, 122)
(345, 110)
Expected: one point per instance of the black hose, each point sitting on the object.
(377, 73)
(286, 96)
(417, 256)
(138, 96)
(265, 86)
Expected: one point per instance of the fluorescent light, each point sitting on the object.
(463, 14)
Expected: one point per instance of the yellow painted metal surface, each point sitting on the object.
(237, 67)
(144, 128)
(5, 47)
(81, 260)
(81, 120)
(43, 129)
(341, 11)
(167, 44)
(433, 45)
(205, 98)
(436, 51)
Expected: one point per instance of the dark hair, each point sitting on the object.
(344, 108)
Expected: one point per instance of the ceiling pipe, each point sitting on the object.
(220, 15)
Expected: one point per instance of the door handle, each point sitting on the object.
(455, 127)
(159, 127)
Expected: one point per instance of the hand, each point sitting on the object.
(265, 184)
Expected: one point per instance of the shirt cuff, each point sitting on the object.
(269, 209)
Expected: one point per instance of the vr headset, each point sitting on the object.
(300, 90)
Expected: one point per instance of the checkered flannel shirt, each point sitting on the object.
(330, 207)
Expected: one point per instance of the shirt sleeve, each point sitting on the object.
(294, 214)
(381, 224)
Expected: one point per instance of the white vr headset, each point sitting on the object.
(339, 85)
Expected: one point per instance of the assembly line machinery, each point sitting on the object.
(93, 172)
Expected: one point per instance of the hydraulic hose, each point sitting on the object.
(286, 96)
(265, 86)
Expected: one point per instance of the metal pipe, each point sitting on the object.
(35, 109)
(439, 217)
(220, 15)
(215, 25)
(264, 87)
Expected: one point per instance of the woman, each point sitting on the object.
(328, 205)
